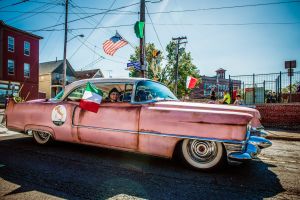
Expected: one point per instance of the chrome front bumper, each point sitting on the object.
(252, 146)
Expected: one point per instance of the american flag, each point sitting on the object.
(113, 44)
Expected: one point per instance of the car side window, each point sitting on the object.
(124, 92)
(116, 92)
(76, 94)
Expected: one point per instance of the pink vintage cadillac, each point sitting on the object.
(147, 119)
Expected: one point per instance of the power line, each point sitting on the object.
(162, 48)
(100, 21)
(14, 4)
(21, 16)
(76, 6)
(85, 28)
(73, 13)
(163, 24)
(49, 36)
(45, 2)
(230, 24)
(87, 20)
(225, 7)
(24, 18)
(87, 17)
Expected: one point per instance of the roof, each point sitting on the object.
(19, 30)
(87, 73)
(49, 67)
(220, 69)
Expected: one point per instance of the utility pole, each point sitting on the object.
(65, 47)
(142, 41)
(178, 43)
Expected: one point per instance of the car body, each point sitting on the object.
(149, 119)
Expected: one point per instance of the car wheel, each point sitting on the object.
(42, 137)
(203, 155)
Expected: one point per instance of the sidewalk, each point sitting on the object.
(283, 135)
(5, 132)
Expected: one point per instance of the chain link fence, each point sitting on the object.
(266, 88)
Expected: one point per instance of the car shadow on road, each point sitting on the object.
(75, 171)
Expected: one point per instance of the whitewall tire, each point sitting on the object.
(203, 155)
(42, 137)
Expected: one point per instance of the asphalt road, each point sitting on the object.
(70, 171)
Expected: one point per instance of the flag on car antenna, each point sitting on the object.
(91, 98)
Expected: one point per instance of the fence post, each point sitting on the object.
(253, 88)
(280, 94)
(290, 86)
(229, 87)
(264, 91)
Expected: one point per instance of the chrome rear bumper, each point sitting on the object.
(250, 149)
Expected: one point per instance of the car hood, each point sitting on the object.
(255, 122)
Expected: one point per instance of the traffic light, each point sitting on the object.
(155, 53)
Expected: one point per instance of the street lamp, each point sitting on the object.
(81, 35)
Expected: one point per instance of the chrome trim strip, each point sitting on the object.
(192, 137)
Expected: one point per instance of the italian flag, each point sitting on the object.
(91, 98)
(191, 82)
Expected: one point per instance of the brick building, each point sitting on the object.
(19, 63)
(218, 83)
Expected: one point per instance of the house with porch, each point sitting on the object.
(51, 77)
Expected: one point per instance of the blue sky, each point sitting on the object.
(240, 49)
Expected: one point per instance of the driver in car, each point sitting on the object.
(113, 95)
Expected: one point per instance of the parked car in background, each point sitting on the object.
(148, 119)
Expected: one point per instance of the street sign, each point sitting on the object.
(135, 65)
(290, 64)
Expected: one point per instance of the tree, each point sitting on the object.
(154, 64)
(294, 88)
(185, 68)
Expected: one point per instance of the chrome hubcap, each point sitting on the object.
(43, 135)
(202, 151)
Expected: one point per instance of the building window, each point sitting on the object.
(11, 44)
(11, 67)
(26, 48)
(26, 70)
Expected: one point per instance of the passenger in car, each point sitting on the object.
(113, 95)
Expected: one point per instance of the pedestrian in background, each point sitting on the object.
(238, 101)
(226, 99)
(269, 97)
(213, 95)
(273, 98)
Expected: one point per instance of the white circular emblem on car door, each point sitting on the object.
(59, 115)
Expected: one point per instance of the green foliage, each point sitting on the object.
(166, 75)
(185, 68)
(154, 64)
(294, 88)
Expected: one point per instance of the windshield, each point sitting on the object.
(152, 91)
(59, 95)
